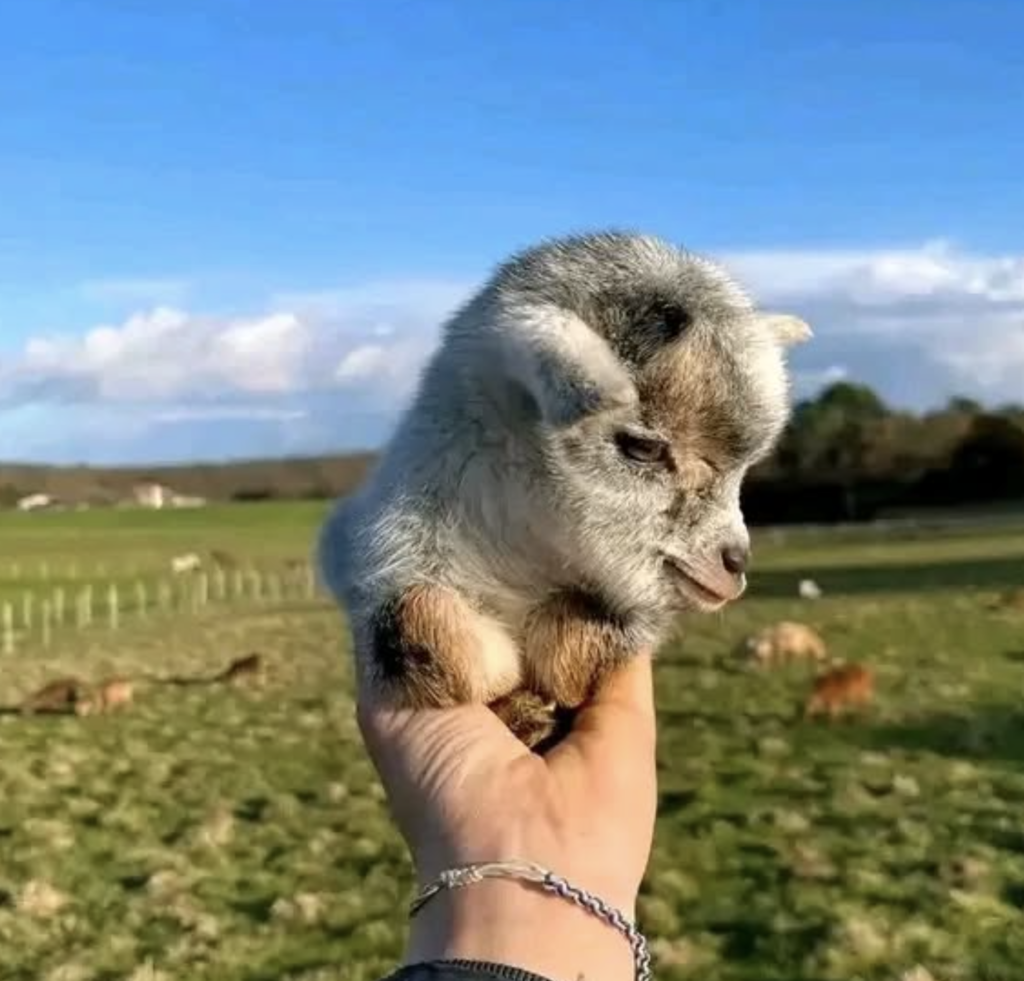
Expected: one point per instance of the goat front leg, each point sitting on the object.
(430, 649)
(572, 642)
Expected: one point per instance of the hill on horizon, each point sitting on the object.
(238, 480)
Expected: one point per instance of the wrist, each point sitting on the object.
(508, 921)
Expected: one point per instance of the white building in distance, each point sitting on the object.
(35, 502)
(152, 495)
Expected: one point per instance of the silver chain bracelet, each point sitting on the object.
(530, 872)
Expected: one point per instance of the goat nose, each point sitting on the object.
(735, 558)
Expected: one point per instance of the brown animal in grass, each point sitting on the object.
(784, 641)
(72, 696)
(848, 686)
(1011, 599)
(106, 697)
(245, 668)
(242, 668)
(58, 697)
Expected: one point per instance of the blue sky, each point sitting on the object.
(207, 205)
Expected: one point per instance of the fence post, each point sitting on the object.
(219, 584)
(141, 599)
(58, 605)
(163, 591)
(85, 607)
(44, 620)
(26, 610)
(8, 628)
(113, 612)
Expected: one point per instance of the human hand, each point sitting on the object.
(463, 789)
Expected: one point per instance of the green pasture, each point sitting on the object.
(210, 833)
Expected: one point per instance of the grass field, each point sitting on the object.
(237, 834)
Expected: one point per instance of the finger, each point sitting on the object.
(617, 727)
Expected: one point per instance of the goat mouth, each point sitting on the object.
(693, 587)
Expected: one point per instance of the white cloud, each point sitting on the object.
(946, 320)
(391, 370)
(353, 339)
(164, 354)
(920, 324)
(361, 362)
(262, 355)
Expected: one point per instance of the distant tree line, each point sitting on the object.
(846, 456)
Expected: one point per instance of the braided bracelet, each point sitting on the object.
(530, 872)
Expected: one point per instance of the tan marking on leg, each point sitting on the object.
(570, 645)
(431, 649)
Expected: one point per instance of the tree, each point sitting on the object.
(990, 459)
(851, 401)
(961, 405)
(828, 433)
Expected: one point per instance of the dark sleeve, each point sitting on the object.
(462, 971)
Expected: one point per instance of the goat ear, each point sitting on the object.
(787, 328)
(569, 370)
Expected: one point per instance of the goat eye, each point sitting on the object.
(643, 449)
(676, 320)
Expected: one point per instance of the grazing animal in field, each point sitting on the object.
(249, 666)
(107, 696)
(60, 696)
(1011, 599)
(784, 641)
(847, 686)
(566, 480)
(809, 589)
(190, 562)
(242, 669)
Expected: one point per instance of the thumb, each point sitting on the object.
(618, 723)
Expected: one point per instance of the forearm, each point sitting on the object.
(504, 922)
